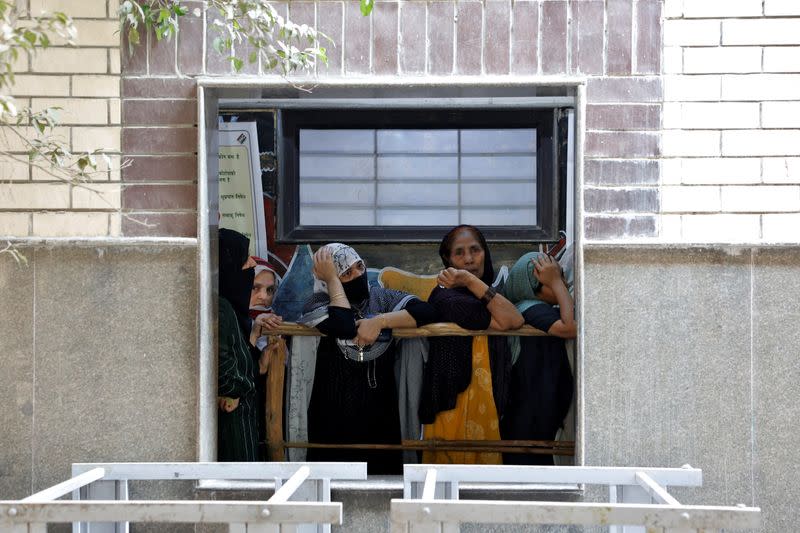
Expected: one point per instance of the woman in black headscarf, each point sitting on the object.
(465, 379)
(237, 429)
(354, 397)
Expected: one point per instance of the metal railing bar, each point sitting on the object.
(170, 511)
(290, 486)
(227, 471)
(678, 477)
(429, 489)
(567, 513)
(65, 487)
(656, 491)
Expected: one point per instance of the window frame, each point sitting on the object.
(271, 93)
(550, 182)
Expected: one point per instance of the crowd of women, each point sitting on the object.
(467, 388)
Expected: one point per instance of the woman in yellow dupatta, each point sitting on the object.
(465, 378)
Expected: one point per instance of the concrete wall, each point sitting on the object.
(99, 344)
(690, 357)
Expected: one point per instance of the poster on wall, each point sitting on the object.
(241, 198)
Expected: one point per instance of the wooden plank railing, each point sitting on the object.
(276, 446)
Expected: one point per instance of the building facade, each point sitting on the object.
(686, 206)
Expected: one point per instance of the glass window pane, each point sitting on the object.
(418, 217)
(498, 194)
(418, 194)
(417, 166)
(516, 140)
(487, 167)
(417, 141)
(336, 167)
(338, 141)
(499, 217)
(349, 193)
(419, 176)
(336, 216)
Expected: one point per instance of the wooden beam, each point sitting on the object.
(439, 329)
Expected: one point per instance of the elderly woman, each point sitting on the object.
(354, 396)
(541, 378)
(466, 377)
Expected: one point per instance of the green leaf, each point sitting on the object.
(29, 36)
(133, 36)
(237, 63)
(163, 15)
(253, 56)
(217, 44)
(366, 7)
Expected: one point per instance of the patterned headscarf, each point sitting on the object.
(344, 257)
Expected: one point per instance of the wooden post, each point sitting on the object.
(276, 369)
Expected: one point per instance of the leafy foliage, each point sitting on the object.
(34, 130)
(246, 31)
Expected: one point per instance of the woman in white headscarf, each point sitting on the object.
(354, 397)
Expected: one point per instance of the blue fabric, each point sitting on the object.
(297, 285)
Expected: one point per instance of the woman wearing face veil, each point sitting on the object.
(354, 396)
(465, 380)
(237, 429)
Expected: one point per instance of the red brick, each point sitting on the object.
(629, 89)
(190, 52)
(158, 140)
(136, 63)
(648, 37)
(356, 39)
(385, 38)
(554, 37)
(156, 197)
(161, 59)
(441, 19)
(637, 200)
(498, 30)
(412, 37)
(158, 88)
(524, 44)
(623, 117)
(153, 112)
(587, 36)
(612, 227)
(618, 46)
(468, 37)
(621, 172)
(329, 15)
(161, 168)
(159, 224)
(622, 144)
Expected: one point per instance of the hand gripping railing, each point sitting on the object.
(638, 500)
(100, 498)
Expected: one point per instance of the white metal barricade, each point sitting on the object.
(638, 500)
(100, 498)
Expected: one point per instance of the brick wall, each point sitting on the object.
(731, 138)
(84, 82)
(616, 43)
(691, 135)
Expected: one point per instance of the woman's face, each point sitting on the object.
(355, 270)
(466, 253)
(263, 289)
